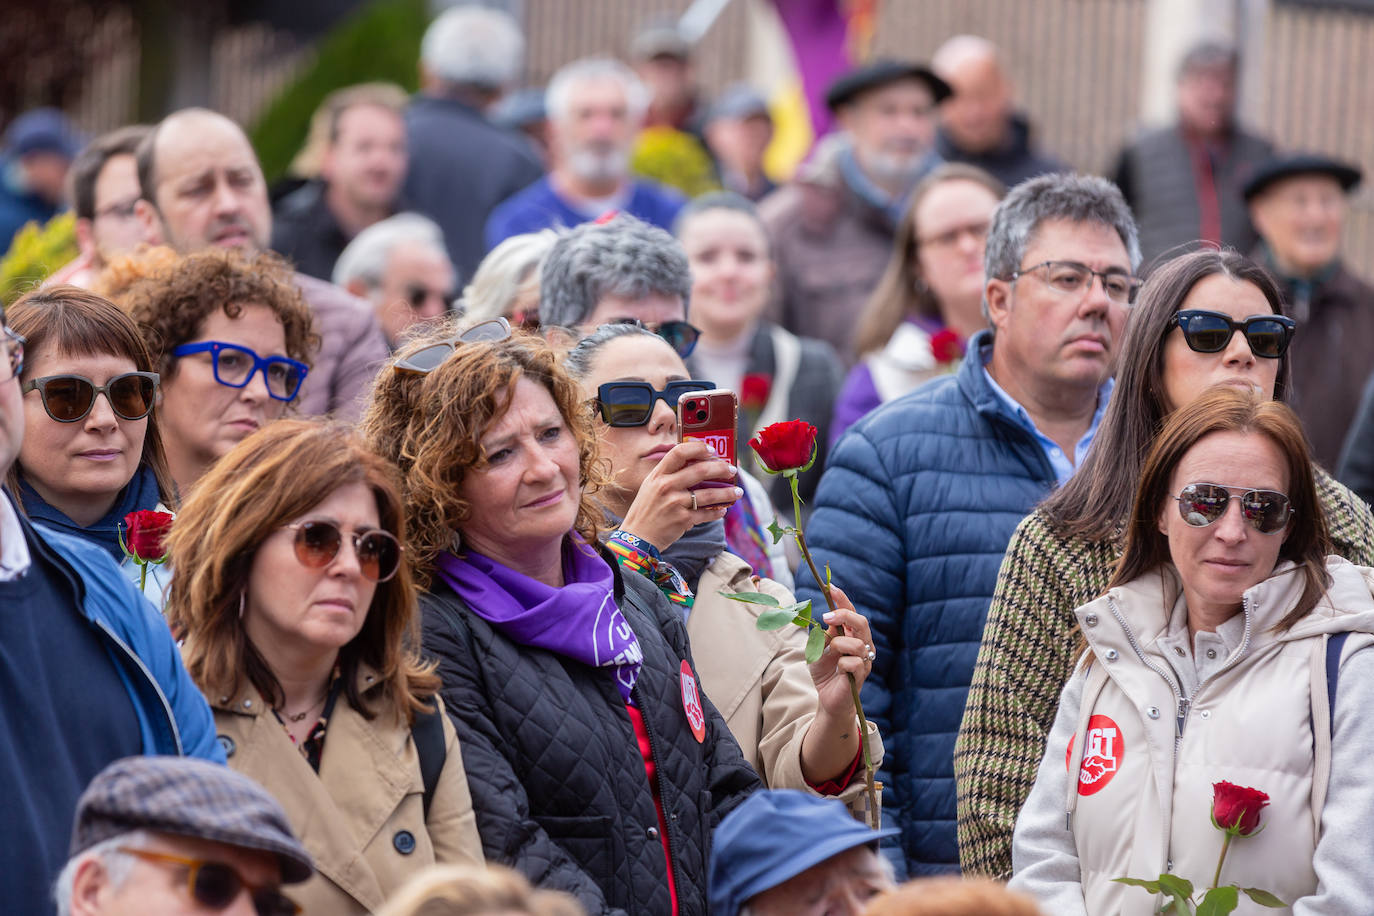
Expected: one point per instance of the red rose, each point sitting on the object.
(946, 346)
(1236, 809)
(146, 534)
(786, 446)
(754, 389)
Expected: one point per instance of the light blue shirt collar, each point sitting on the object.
(1061, 463)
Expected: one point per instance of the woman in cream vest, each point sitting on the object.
(1206, 661)
(796, 725)
(299, 615)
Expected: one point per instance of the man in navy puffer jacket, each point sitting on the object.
(920, 498)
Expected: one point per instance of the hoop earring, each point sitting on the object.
(242, 596)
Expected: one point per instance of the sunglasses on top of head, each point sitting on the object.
(318, 543)
(1210, 332)
(69, 398)
(1201, 504)
(427, 359)
(632, 403)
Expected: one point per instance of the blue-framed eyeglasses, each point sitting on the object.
(235, 365)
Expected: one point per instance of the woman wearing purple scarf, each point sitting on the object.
(597, 766)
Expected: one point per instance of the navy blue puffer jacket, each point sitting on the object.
(913, 514)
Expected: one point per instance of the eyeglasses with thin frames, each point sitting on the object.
(1070, 278)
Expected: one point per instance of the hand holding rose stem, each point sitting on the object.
(788, 448)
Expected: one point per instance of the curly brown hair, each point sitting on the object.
(274, 476)
(172, 303)
(431, 427)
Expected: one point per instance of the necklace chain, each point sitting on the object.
(297, 717)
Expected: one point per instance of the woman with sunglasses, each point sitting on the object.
(1205, 318)
(796, 727)
(92, 451)
(297, 604)
(597, 765)
(232, 339)
(777, 375)
(1228, 647)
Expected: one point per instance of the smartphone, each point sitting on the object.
(713, 417)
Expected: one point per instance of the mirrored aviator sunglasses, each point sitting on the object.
(427, 359)
(1202, 504)
(317, 544)
(625, 404)
(1210, 332)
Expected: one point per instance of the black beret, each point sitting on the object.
(881, 73)
(1290, 166)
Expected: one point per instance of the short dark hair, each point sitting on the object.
(86, 168)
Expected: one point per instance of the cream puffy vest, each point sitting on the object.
(1147, 756)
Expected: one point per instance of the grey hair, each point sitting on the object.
(623, 257)
(577, 362)
(366, 256)
(719, 200)
(507, 273)
(558, 96)
(474, 46)
(1065, 196)
(117, 865)
(1208, 54)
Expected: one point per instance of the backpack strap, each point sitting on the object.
(428, 734)
(1325, 673)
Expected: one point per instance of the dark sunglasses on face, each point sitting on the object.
(1210, 332)
(432, 357)
(236, 365)
(1201, 504)
(318, 543)
(680, 335)
(69, 398)
(216, 885)
(417, 296)
(632, 403)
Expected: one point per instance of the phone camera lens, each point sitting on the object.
(701, 415)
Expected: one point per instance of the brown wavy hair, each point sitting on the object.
(1226, 409)
(431, 427)
(952, 897)
(901, 291)
(74, 322)
(172, 303)
(266, 481)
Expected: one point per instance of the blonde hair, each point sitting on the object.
(431, 427)
(473, 890)
(509, 273)
(952, 897)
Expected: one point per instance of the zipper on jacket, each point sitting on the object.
(1181, 702)
(152, 682)
(658, 776)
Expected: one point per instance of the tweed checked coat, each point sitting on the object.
(557, 778)
(1029, 649)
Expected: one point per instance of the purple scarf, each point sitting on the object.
(580, 620)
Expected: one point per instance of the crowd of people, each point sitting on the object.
(444, 619)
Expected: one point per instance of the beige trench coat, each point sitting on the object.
(758, 679)
(364, 809)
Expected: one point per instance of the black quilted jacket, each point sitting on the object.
(557, 779)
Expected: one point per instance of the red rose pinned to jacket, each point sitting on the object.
(146, 534)
(789, 446)
(946, 346)
(1236, 809)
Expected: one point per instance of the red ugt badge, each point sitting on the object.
(691, 703)
(1101, 758)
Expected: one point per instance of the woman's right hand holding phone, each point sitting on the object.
(662, 510)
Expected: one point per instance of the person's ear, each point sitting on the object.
(357, 287)
(90, 888)
(997, 295)
(151, 222)
(85, 236)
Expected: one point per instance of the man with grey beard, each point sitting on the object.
(595, 108)
(833, 226)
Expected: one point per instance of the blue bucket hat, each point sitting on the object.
(774, 836)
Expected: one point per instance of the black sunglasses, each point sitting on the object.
(428, 359)
(216, 885)
(1210, 332)
(416, 296)
(1201, 504)
(318, 543)
(680, 335)
(632, 403)
(69, 398)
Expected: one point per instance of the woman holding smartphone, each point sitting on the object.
(796, 727)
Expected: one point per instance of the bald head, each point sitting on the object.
(976, 116)
(202, 185)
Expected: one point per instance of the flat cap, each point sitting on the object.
(738, 100)
(1295, 164)
(775, 835)
(660, 39)
(850, 85)
(187, 797)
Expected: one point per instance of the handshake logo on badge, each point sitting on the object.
(1102, 755)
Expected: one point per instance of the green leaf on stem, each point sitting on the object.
(752, 598)
(777, 531)
(775, 618)
(803, 609)
(815, 645)
(827, 577)
(1181, 889)
(1263, 898)
(1151, 886)
(1219, 901)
